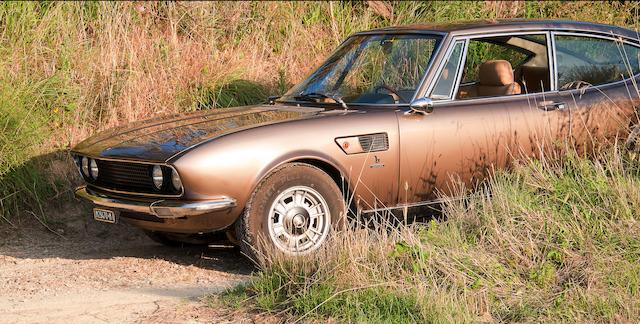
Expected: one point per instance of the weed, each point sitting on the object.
(519, 254)
(68, 70)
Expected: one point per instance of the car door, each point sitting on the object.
(464, 140)
(594, 78)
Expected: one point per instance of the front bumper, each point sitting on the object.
(166, 209)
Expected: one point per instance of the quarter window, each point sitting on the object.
(446, 80)
(595, 61)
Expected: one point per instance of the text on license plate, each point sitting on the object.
(104, 215)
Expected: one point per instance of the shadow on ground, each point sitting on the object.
(72, 234)
(57, 225)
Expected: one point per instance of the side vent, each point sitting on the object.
(364, 143)
(374, 142)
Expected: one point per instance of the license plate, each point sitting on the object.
(104, 215)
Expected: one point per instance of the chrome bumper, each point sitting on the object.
(159, 208)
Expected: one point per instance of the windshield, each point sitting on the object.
(369, 69)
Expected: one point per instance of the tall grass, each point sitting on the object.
(68, 70)
(548, 241)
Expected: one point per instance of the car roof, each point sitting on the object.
(504, 25)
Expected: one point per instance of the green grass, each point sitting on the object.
(553, 241)
(370, 304)
(234, 93)
(68, 70)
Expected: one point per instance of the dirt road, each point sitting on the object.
(89, 272)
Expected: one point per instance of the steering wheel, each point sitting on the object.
(576, 85)
(392, 92)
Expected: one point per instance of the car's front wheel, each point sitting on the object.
(292, 211)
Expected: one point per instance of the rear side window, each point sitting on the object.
(595, 61)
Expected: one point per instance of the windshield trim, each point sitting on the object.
(337, 105)
(440, 40)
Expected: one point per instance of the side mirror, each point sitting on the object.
(422, 105)
(272, 99)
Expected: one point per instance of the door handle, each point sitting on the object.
(551, 105)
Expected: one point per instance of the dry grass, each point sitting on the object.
(553, 242)
(68, 70)
(548, 241)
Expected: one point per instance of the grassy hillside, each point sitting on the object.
(551, 242)
(69, 70)
(554, 241)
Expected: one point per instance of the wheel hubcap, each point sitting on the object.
(299, 220)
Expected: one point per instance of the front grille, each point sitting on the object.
(374, 142)
(125, 176)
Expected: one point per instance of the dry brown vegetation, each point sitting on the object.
(549, 241)
(556, 243)
(68, 70)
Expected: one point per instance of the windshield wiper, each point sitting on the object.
(313, 96)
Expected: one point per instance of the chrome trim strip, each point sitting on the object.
(383, 31)
(139, 194)
(542, 29)
(519, 31)
(482, 99)
(551, 61)
(461, 65)
(610, 36)
(412, 205)
(159, 208)
(118, 159)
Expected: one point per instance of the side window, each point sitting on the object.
(481, 51)
(505, 66)
(446, 81)
(594, 61)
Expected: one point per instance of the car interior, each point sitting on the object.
(504, 66)
(588, 61)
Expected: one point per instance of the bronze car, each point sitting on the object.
(394, 116)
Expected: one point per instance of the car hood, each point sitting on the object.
(159, 139)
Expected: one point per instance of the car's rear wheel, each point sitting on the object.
(292, 211)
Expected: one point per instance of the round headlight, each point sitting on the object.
(157, 177)
(85, 166)
(93, 169)
(175, 180)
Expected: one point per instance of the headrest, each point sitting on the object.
(495, 73)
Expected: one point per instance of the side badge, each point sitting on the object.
(376, 163)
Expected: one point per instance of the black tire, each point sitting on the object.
(252, 228)
(186, 240)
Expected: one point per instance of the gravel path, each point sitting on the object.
(100, 273)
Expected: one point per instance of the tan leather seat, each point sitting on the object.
(535, 79)
(496, 79)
